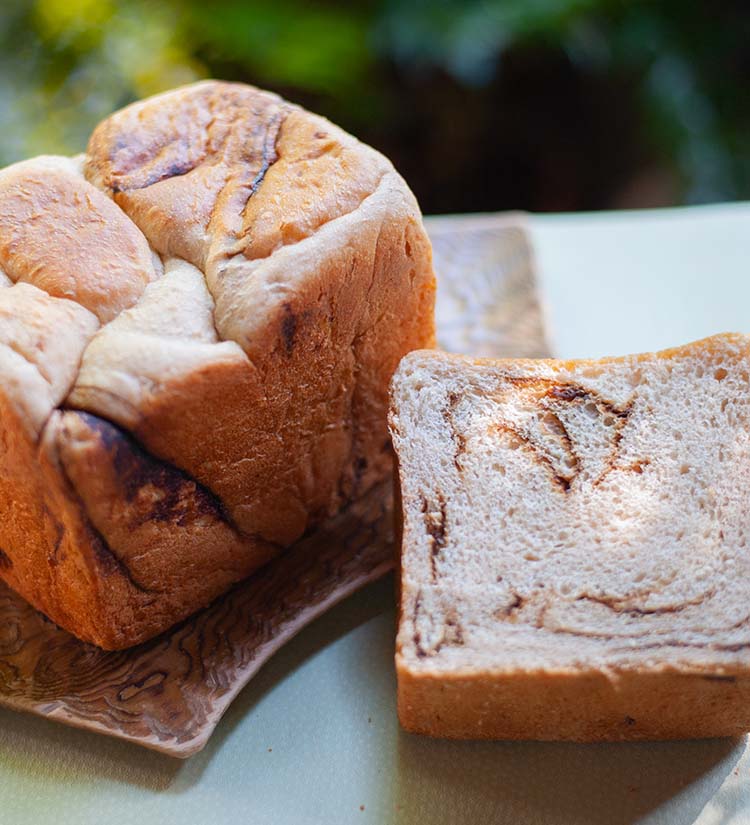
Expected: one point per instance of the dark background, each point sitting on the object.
(535, 104)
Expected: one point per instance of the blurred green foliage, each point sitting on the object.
(429, 81)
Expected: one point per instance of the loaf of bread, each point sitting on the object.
(575, 559)
(199, 319)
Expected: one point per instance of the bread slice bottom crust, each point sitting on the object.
(575, 706)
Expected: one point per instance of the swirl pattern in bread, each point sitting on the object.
(575, 558)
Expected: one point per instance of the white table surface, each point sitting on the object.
(314, 738)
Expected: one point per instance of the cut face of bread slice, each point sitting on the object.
(575, 560)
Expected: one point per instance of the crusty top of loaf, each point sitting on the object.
(198, 320)
(62, 235)
(575, 514)
(166, 230)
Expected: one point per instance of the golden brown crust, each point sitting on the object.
(317, 175)
(62, 235)
(630, 705)
(220, 415)
(183, 164)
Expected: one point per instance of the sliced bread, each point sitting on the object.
(575, 560)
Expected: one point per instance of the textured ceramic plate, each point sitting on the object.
(170, 693)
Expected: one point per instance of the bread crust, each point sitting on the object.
(575, 706)
(241, 395)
